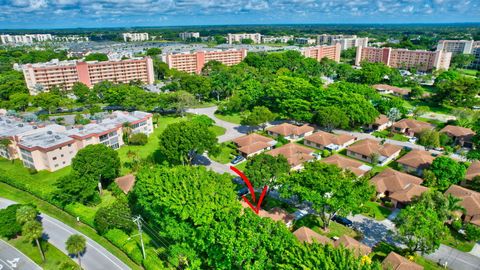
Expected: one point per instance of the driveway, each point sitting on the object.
(232, 130)
(217, 167)
(96, 257)
(11, 258)
(454, 258)
(374, 231)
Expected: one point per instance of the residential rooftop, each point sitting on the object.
(45, 138)
(10, 126)
(356, 167)
(417, 159)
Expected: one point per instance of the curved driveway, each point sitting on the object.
(96, 257)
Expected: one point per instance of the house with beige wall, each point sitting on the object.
(367, 149)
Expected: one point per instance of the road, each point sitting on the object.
(232, 130)
(454, 258)
(12, 259)
(96, 257)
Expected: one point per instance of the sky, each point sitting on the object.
(36, 14)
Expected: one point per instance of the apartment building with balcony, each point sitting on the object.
(189, 35)
(47, 149)
(193, 62)
(273, 39)
(135, 37)
(237, 38)
(403, 58)
(331, 52)
(25, 39)
(43, 76)
(346, 41)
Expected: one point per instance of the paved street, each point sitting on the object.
(11, 258)
(203, 160)
(96, 257)
(232, 130)
(455, 259)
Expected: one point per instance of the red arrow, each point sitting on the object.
(256, 208)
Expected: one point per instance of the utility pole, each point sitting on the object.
(138, 221)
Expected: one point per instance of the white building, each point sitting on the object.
(25, 39)
(306, 41)
(189, 35)
(232, 38)
(135, 37)
(271, 39)
(462, 47)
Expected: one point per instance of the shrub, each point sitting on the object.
(114, 216)
(388, 204)
(9, 227)
(456, 225)
(122, 241)
(325, 153)
(138, 139)
(472, 232)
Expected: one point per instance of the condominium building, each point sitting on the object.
(307, 41)
(326, 39)
(233, 38)
(193, 62)
(403, 58)
(319, 52)
(135, 37)
(346, 42)
(456, 46)
(282, 39)
(42, 76)
(189, 35)
(52, 147)
(24, 39)
(476, 52)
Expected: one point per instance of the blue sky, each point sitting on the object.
(111, 13)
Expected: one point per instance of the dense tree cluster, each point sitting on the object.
(203, 225)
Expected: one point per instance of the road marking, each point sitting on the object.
(28, 258)
(54, 221)
(14, 262)
(5, 264)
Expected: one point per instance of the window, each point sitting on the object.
(61, 155)
(54, 158)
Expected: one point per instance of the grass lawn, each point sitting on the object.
(87, 213)
(376, 211)
(19, 196)
(232, 118)
(458, 241)
(468, 72)
(219, 131)
(227, 153)
(203, 105)
(148, 149)
(335, 229)
(42, 183)
(390, 135)
(241, 166)
(427, 264)
(54, 258)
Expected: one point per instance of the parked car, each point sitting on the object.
(242, 191)
(413, 140)
(343, 220)
(237, 159)
(113, 108)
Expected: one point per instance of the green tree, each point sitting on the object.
(330, 190)
(25, 214)
(429, 138)
(420, 228)
(258, 117)
(331, 118)
(76, 187)
(19, 101)
(81, 91)
(461, 60)
(9, 227)
(96, 57)
(420, 110)
(181, 142)
(32, 231)
(117, 215)
(264, 169)
(458, 92)
(154, 51)
(76, 245)
(98, 162)
(247, 41)
(472, 232)
(416, 92)
(447, 171)
(138, 139)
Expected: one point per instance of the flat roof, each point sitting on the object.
(10, 126)
(44, 138)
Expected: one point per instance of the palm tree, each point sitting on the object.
(33, 230)
(127, 130)
(76, 245)
(453, 205)
(25, 214)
